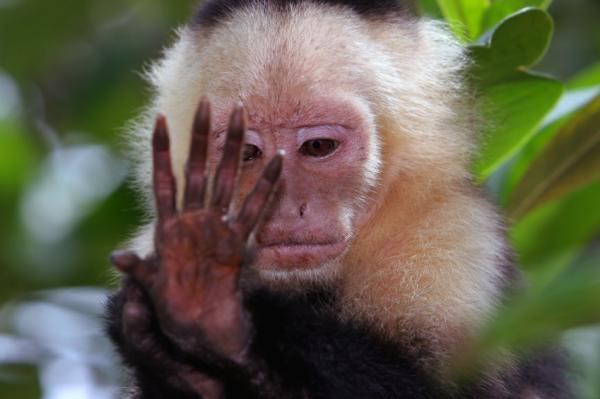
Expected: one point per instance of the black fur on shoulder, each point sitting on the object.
(212, 12)
(301, 349)
(318, 356)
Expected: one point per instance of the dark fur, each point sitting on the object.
(151, 382)
(212, 12)
(302, 350)
(314, 352)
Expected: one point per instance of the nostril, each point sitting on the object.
(302, 210)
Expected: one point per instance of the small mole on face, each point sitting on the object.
(302, 210)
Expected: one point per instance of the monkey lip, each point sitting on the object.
(294, 254)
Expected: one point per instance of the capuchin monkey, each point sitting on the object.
(316, 232)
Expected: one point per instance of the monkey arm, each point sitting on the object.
(180, 314)
(151, 357)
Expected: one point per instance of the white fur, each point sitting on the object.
(424, 261)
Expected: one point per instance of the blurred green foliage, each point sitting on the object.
(541, 156)
(70, 80)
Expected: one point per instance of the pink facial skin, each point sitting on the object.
(310, 218)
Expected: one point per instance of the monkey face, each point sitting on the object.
(317, 203)
(297, 100)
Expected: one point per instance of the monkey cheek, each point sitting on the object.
(293, 257)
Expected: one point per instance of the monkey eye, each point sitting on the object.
(251, 152)
(319, 148)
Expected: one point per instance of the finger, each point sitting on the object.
(136, 317)
(195, 171)
(257, 199)
(164, 181)
(129, 263)
(144, 344)
(227, 170)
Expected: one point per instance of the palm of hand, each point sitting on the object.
(192, 277)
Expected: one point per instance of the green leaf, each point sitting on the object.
(513, 110)
(563, 112)
(586, 78)
(517, 44)
(549, 237)
(572, 300)
(571, 102)
(464, 16)
(569, 161)
(499, 10)
(513, 101)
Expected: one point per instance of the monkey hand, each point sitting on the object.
(192, 277)
(161, 371)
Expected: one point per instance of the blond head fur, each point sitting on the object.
(423, 265)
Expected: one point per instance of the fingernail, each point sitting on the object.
(202, 119)
(273, 169)
(236, 124)
(160, 139)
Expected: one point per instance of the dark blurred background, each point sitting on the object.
(70, 79)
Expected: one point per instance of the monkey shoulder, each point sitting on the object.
(314, 350)
(305, 350)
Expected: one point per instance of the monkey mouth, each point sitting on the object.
(298, 254)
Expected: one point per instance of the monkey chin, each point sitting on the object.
(286, 266)
(298, 256)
